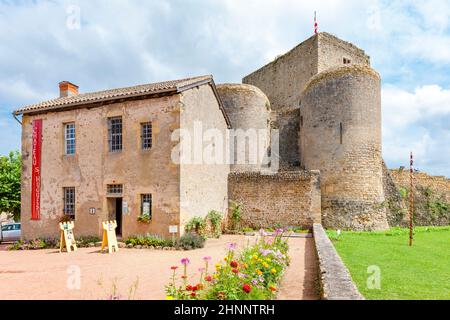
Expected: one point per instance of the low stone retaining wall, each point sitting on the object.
(335, 280)
(284, 199)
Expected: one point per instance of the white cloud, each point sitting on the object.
(123, 43)
(417, 121)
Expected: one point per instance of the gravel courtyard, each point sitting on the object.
(48, 274)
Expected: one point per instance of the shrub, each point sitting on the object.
(83, 242)
(154, 241)
(215, 220)
(35, 244)
(197, 225)
(191, 241)
(236, 215)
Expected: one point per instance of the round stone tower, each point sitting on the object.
(340, 135)
(248, 109)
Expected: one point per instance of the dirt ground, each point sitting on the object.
(48, 274)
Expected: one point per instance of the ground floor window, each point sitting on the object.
(146, 205)
(69, 202)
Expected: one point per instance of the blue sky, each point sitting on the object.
(121, 43)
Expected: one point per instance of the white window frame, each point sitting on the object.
(70, 136)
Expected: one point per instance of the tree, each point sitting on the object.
(10, 171)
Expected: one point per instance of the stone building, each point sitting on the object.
(316, 112)
(108, 155)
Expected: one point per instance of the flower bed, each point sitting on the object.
(253, 274)
(50, 243)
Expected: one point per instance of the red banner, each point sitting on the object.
(36, 171)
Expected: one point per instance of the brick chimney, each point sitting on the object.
(67, 89)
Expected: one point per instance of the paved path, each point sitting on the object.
(47, 274)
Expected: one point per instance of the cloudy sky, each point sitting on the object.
(101, 44)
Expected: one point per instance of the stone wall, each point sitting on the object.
(203, 185)
(248, 109)
(341, 137)
(431, 198)
(284, 199)
(284, 79)
(335, 280)
(93, 167)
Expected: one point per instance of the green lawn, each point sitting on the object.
(417, 273)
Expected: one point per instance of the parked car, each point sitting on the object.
(10, 232)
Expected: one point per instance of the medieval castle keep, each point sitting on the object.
(325, 102)
(109, 154)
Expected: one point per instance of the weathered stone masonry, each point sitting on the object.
(285, 199)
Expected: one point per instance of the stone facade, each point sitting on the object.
(431, 198)
(284, 79)
(250, 115)
(286, 199)
(152, 171)
(341, 137)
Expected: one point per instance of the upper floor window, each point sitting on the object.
(146, 135)
(69, 201)
(69, 138)
(347, 61)
(115, 134)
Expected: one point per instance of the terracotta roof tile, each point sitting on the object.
(87, 98)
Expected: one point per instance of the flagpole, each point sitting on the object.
(411, 201)
(316, 26)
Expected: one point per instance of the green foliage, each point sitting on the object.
(253, 274)
(151, 241)
(190, 241)
(404, 192)
(144, 219)
(400, 264)
(84, 242)
(50, 243)
(196, 224)
(10, 172)
(236, 215)
(215, 219)
(36, 244)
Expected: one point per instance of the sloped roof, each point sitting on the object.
(79, 100)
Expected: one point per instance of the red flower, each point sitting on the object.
(247, 288)
(183, 277)
(195, 288)
(273, 289)
(189, 288)
(174, 268)
(208, 278)
(235, 271)
(234, 264)
(193, 294)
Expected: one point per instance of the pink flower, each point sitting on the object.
(232, 246)
(206, 259)
(185, 261)
(201, 270)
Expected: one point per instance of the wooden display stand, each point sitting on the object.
(67, 237)
(109, 236)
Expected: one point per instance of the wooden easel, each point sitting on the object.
(67, 237)
(109, 236)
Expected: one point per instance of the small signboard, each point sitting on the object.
(109, 236)
(67, 237)
(173, 229)
(125, 209)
